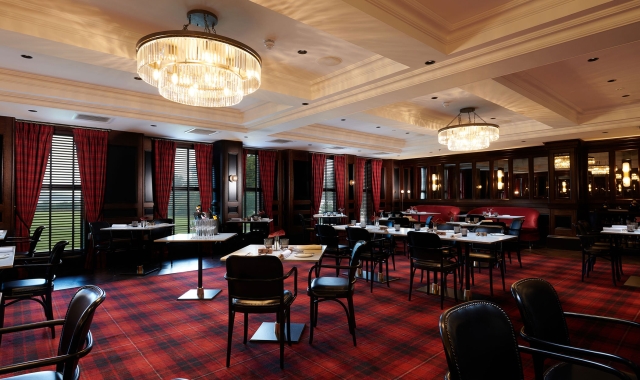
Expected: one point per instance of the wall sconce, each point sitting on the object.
(626, 171)
(500, 175)
(516, 192)
(589, 187)
(352, 182)
(564, 186)
(434, 182)
(233, 178)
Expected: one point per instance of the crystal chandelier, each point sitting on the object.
(468, 136)
(198, 68)
(561, 162)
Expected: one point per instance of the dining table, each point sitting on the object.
(321, 217)
(266, 331)
(198, 293)
(7, 255)
(616, 233)
(140, 231)
(3, 234)
(466, 241)
(419, 214)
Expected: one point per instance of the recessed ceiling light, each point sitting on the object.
(302, 52)
(343, 119)
(430, 62)
(26, 56)
(611, 80)
(434, 97)
(33, 111)
(605, 132)
(493, 118)
(407, 133)
(246, 137)
(378, 126)
(153, 125)
(523, 141)
(305, 104)
(625, 96)
(593, 59)
(309, 144)
(137, 78)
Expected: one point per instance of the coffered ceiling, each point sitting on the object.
(524, 64)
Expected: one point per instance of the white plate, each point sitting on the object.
(302, 254)
(496, 234)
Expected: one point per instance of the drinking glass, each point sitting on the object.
(396, 226)
(377, 223)
(268, 243)
(456, 229)
(467, 220)
(463, 231)
(476, 220)
(417, 226)
(630, 228)
(284, 243)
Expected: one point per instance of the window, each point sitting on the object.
(328, 201)
(252, 192)
(185, 194)
(59, 207)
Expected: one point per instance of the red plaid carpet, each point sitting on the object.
(142, 332)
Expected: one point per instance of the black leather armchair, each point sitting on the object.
(38, 288)
(334, 288)
(76, 340)
(256, 285)
(479, 343)
(545, 326)
(32, 240)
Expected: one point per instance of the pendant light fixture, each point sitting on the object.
(468, 136)
(198, 68)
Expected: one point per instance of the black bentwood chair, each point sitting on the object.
(545, 327)
(375, 252)
(334, 288)
(480, 344)
(427, 253)
(75, 341)
(256, 285)
(327, 235)
(37, 288)
(32, 240)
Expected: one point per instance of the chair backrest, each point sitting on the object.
(425, 246)
(357, 250)
(98, 237)
(301, 221)
(540, 309)
(515, 227)
(355, 234)
(428, 220)
(254, 278)
(54, 260)
(479, 342)
(327, 235)
(76, 326)
(35, 238)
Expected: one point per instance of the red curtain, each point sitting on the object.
(91, 147)
(204, 166)
(164, 154)
(32, 148)
(339, 170)
(267, 161)
(359, 185)
(317, 179)
(376, 172)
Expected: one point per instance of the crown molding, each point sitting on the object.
(25, 88)
(325, 134)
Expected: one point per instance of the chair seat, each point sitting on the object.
(327, 286)
(288, 299)
(563, 371)
(44, 375)
(22, 287)
(425, 264)
(481, 256)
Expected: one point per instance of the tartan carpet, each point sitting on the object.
(142, 332)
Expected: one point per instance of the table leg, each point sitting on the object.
(467, 273)
(199, 293)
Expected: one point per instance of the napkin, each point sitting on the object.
(286, 253)
(6, 249)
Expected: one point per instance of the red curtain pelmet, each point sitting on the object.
(204, 167)
(358, 187)
(32, 148)
(91, 147)
(267, 160)
(164, 154)
(339, 170)
(317, 180)
(376, 172)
